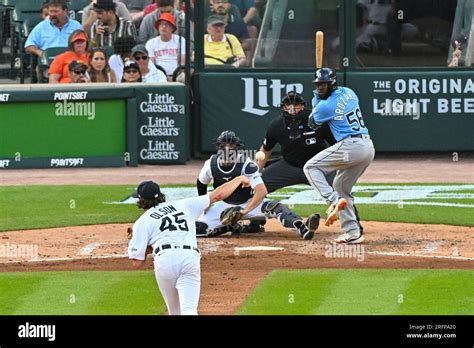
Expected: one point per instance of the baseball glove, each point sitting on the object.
(231, 215)
(149, 248)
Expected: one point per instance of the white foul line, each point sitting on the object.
(384, 253)
(112, 256)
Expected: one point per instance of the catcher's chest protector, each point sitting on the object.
(240, 195)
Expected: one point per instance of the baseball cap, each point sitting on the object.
(76, 64)
(139, 49)
(167, 17)
(148, 190)
(459, 40)
(130, 64)
(105, 5)
(79, 36)
(215, 19)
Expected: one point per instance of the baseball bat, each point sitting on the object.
(319, 49)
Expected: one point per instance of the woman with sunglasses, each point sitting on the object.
(79, 45)
(99, 70)
(131, 72)
(148, 70)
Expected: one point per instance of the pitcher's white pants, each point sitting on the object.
(178, 274)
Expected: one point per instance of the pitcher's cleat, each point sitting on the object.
(334, 210)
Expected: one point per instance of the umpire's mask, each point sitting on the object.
(291, 108)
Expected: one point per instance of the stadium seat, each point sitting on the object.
(46, 59)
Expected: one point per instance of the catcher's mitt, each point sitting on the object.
(149, 249)
(231, 215)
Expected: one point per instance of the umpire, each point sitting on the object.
(299, 143)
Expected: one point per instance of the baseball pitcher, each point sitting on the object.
(170, 228)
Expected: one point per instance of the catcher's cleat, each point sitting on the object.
(349, 238)
(302, 230)
(313, 222)
(334, 210)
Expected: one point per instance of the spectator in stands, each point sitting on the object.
(79, 46)
(148, 29)
(44, 10)
(99, 69)
(131, 72)
(148, 70)
(108, 26)
(167, 49)
(248, 11)
(90, 16)
(137, 10)
(53, 31)
(78, 72)
(123, 51)
(235, 25)
(459, 43)
(221, 48)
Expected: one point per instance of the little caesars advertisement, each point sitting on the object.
(162, 121)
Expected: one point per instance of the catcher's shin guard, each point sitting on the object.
(274, 209)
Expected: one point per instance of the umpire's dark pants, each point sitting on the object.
(278, 174)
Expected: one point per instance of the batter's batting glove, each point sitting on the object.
(231, 215)
(311, 123)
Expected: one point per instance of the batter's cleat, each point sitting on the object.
(302, 230)
(349, 238)
(334, 210)
(313, 222)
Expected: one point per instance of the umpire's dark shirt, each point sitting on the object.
(298, 151)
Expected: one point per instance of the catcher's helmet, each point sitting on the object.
(227, 138)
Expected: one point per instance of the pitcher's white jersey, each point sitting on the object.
(168, 223)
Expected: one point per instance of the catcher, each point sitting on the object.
(245, 203)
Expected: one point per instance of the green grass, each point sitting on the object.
(363, 292)
(80, 293)
(28, 207)
(444, 200)
(31, 207)
(403, 213)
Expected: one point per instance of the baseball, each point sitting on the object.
(260, 156)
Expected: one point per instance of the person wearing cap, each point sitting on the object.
(170, 228)
(54, 31)
(131, 72)
(167, 49)
(234, 24)
(79, 45)
(221, 48)
(148, 70)
(459, 43)
(89, 16)
(77, 72)
(147, 27)
(109, 26)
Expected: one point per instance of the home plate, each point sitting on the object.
(258, 248)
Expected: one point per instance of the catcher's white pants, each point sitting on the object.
(211, 216)
(178, 274)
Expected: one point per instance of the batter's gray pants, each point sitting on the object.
(350, 157)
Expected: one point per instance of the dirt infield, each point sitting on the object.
(228, 273)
